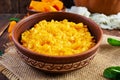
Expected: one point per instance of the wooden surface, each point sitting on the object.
(14, 6)
(4, 18)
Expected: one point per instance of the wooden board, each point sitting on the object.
(14, 6)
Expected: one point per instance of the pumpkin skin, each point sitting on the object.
(107, 7)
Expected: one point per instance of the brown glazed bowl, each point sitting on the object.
(107, 7)
(32, 11)
(56, 64)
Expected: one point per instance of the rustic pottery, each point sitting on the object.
(107, 7)
(56, 64)
(32, 11)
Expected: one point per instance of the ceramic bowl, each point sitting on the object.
(107, 7)
(56, 64)
(32, 11)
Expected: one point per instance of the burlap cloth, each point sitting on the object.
(15, 68)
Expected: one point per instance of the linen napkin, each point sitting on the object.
(107, 56)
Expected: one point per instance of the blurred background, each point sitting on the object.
(19, 6)
(13, 6)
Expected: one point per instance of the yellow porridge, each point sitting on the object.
(58, 38)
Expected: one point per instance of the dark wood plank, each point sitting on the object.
(23, 5)
(14, 6)
(4, 18)
(5, 6)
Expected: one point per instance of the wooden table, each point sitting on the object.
(14, 6)
(4, 19)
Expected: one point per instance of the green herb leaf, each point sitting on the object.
(1, 53)
(14, 19)
(117, 77)
(113, 42)
(112, 72)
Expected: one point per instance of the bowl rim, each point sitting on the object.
(16, 42)
(36, 11)
(32, 10)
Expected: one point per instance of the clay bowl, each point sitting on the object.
(56, 64)
(107, 7)
(32, 11)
